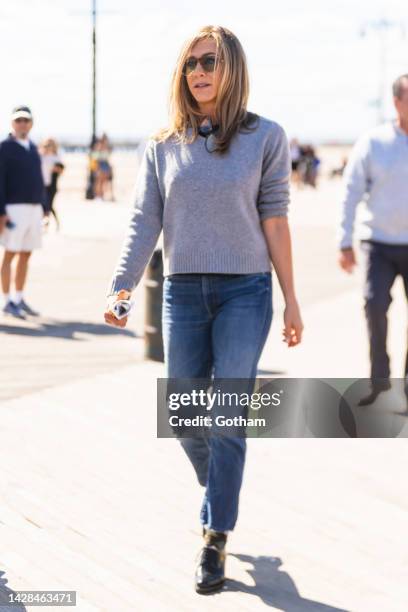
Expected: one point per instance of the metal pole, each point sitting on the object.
(93, 70)
(153, 308)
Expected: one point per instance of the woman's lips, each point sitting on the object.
(201, 85)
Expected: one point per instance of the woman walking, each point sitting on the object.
(52, 168)
(217, 182)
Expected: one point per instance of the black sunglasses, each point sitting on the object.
(208, 63)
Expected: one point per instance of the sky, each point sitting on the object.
(310, 68)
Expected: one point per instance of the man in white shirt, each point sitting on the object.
(377, 176)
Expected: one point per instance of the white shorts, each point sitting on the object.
(27, 231)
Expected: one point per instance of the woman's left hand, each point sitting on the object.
(293, 326)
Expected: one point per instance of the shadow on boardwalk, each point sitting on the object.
(64, 329)
(274, 587)
(5, 593)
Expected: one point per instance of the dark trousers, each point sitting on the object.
(384, 262)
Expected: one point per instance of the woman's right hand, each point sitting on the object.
(110, 318)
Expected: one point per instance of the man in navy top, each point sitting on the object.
(22, 207)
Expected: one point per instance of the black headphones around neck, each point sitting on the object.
(206, 130)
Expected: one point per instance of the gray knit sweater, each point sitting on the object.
(209, 205)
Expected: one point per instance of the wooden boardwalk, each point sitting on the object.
(92, 501)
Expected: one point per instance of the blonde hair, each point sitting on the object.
(232, 96)
(51, 143)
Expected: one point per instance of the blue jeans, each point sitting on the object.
(216, 325)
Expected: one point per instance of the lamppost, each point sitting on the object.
(89, 192)
(381, 27)
(94, 14)
(93, 71)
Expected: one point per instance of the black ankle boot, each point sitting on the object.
(376, 389)
(210, 572)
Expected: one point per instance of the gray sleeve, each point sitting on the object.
(356, 183)
(145, 225)
(273, 198)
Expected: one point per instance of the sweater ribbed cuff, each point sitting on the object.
(120, 283)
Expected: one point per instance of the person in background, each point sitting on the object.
(101, 168)
(295, 155)
(52, 168)
(92, 167)
(377, 176)
(308, 166)
(339, 170)
(22, 208)
(106, 165)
